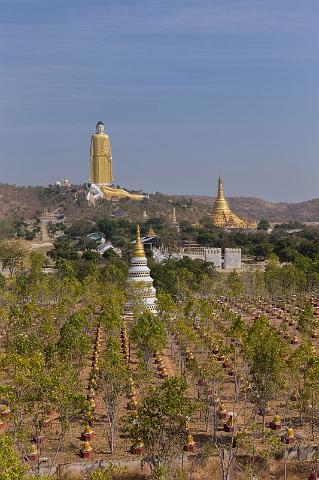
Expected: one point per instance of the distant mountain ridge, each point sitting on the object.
(256, 208)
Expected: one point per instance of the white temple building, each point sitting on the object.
(139, 282)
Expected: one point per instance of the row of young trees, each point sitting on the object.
(263, 371)
(46, 325)
(47, 320)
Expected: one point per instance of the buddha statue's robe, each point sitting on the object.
(101, 159)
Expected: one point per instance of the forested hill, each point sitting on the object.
(31, 201)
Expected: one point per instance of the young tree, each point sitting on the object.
(304, 370)
(37, 389)
(113, 381)
(74, 344)
(307, 321)
(263, 224)
(167, 309)
(149, 334)
(255, 444)
(112, 308)
(11, 467)
(12, 255)
(162, 421)
(169, 238)
(234, 284)
(265, 352)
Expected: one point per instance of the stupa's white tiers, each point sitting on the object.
(139, 273)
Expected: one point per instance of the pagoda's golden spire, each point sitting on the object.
(220, 188)
(138, 249)
(221, 207)
(222, 216)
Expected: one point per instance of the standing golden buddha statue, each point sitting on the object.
(100, 157)
(101, 174)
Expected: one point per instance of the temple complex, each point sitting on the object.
(101, 169)
(222, 216)
(140, 290)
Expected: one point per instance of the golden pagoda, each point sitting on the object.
(222, 216)
(101, 169)
(151, 232)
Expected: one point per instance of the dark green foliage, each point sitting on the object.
(80, 228)
(116, 231)
(30, 235)
(261, 251)
(263, 224)
(6, 229)
(115, 269)
(172, 275)
(157, 223)
(91, 256)
(63, 248)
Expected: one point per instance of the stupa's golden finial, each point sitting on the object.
(138, 249)
(220, 188)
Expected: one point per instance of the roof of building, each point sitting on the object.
(103, 247)
(144, 239)
(95, 236)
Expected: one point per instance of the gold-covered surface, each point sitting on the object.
(222, 216)
(111, 192)
(100, 159)
(151, 232)
(139, 248)
(101, 172)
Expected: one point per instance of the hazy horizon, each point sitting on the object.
(188, 91)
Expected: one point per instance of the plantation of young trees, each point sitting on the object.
(222, 384)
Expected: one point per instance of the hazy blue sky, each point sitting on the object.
(188, 90)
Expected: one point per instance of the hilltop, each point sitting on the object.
(31, 201)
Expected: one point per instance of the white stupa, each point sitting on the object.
(66, 183)
(139, 282)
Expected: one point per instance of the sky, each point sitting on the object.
(188, 90)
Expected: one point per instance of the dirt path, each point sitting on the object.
(45, 241)
(44, 230)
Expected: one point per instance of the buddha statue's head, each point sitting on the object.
(100, 127)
